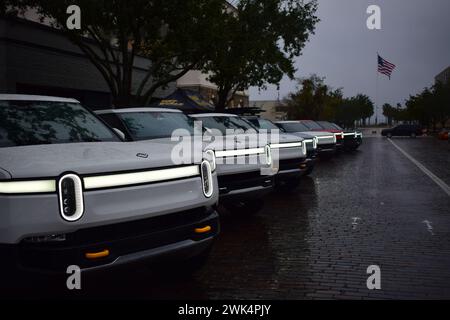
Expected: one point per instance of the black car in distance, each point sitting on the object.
(403, 130)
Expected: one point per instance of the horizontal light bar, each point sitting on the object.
(125, 179)
(240, 152)
(349, 134)
(308, 141)
(286, 145)
(326, 137)
(32, 186)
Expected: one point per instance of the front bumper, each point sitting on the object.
(26, 216)
(244, 185)
(351, 142)
(291, 169)
(310, 163)
(169, 236)
(326, 149)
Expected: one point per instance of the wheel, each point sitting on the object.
(354, 148)
(196, 263)
(247, 207)
(389, 135)
(413, 135)
(288, 186)
(184, 268)
(309, 170)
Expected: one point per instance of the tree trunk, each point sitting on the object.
(222, 100)
(122, 100)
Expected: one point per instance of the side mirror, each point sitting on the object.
(207, 135)
(120, 134)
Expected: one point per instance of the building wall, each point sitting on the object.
(274, 109)
(195, 78)
(36, 59)
(196, 81)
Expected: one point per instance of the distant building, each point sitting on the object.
(35, 58)
(187, 101)
(443, 76)
(275, 110)
(197, 81)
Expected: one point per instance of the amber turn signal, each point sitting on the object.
(203, 230)
(97, 255)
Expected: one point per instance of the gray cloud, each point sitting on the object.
(415, 36)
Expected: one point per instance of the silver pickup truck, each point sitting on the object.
(239, 182)
(72, 193)
(326, 141)
(288, 152)
(307, 163)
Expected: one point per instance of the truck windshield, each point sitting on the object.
(294, 127)
(25, 123)
(266, 124)
(223, 124)
(312, 125)
(337, 127)
(326, 125)
(156, 125)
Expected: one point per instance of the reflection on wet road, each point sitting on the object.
(371, 207)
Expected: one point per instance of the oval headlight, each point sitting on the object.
(210, 156)
(268, 153)
(207, 180)
(70, 192)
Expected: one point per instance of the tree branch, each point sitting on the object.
(99, 63)
(173, 77)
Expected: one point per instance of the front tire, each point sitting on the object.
(309, 170)
(389, 135)
(184, 268)
(197, 263)
(247, 207)
(288, 186)
(413, 135)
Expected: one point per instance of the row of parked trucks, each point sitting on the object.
(104, 189)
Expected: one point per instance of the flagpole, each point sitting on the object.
(376, 94)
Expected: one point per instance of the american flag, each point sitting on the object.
(385, 67)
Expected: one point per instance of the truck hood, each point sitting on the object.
(219, 143)
(4, 175)
(330, 130)
(45, 161)
(315, 133)
(305, 136)
(289, 138)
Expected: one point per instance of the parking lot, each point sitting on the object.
(371, 207)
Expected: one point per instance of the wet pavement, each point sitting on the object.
(370, 207)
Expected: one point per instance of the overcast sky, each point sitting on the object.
(414, 35)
